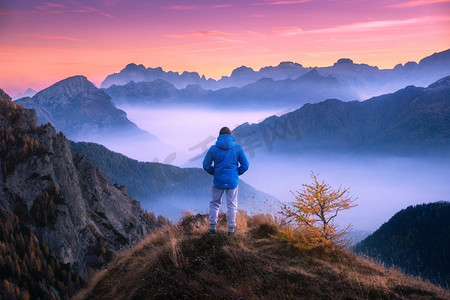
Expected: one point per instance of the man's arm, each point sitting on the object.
(207, 162)
(243, 162)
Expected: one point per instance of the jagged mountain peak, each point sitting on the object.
(242, 70)
(289, 64)
(72, 90)
(133, 66)
(314, 74)
(70, 86)
(344, 61)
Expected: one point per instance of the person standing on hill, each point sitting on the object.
(225, 161)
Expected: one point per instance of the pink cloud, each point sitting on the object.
(374, 25)
(198, 34)
(412, 3)
(221, 5)
(287, 31)
(53, 37)
(282, 2)
(258, 15)
(76, 7)
(50, 4)
(110, 2)
(182, 7)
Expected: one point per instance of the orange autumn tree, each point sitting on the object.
(310, 218)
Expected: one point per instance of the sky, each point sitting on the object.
(42, 42)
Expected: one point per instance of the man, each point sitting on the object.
(226, 161)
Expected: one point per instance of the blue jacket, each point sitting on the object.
(229, 162)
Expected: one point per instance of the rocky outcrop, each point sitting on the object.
(82, 217)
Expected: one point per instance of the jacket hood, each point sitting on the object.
(225, 141)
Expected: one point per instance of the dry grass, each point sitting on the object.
(185, 262)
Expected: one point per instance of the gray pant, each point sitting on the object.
(216, 201)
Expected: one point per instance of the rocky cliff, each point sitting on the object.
(74, 210)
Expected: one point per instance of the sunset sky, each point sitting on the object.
(42, 42)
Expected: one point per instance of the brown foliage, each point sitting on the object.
(310, 219)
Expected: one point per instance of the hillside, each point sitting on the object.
(60, 217)
(186, 262)
(415, 239)
(160, 185)
(410, 121)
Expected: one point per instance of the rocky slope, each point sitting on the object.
(410, 121)
(74, 210)
(185, 262)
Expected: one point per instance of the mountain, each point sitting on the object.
(77, 108)
(69, 213)
(85, 113)
(264, 93)
(410, 121)
(363, 80)
(186, 262)
(164, 188)
(137, 73)
(415, 239)
(28, 93)
(154, 92)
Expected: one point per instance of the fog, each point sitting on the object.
(189, 131)
(382, 185)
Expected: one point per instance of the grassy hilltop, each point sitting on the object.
(186, 262)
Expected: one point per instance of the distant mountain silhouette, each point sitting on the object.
(28, 93)
(415, 239)
(137, 73)
(85, 113)
(156, 184)
(264, 93)
(411, 120)
(363, 80)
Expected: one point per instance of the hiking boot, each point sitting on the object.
(231, 233)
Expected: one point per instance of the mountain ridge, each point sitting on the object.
(411, 120)
(367, 81)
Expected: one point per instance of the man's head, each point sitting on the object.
(225, 130)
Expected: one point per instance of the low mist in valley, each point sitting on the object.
(382, 184)
(189, 131)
